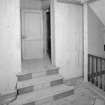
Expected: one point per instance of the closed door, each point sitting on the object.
(32, 38)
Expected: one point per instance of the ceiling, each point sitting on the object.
(99, 8)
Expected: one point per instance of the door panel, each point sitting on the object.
(32, 39)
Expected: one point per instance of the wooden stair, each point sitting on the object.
(41, 88)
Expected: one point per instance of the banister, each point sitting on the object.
(96, 70)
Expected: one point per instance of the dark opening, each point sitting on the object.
(48, 34)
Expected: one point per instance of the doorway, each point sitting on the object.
(35, 55)
(48, 33)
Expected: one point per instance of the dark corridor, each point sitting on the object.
(48, 34)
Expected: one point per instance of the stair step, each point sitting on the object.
(45, 95)
(27, 76)
(39, 83)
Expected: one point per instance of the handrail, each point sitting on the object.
(96, 71)
(96, 56)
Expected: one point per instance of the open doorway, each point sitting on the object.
(34, 58)
(48, 33)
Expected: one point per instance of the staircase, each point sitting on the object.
(41, 88)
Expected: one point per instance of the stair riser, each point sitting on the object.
(32, 103)
(29, 76)
(52, 99)
(40, 86)
(56, 79)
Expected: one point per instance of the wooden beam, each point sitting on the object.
(76, 2)
(89, 1)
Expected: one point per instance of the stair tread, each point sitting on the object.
(39, 80)
(30, 75)
(43, 71)
(41, 94)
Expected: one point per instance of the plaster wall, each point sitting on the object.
(68, 39)
(9, 44)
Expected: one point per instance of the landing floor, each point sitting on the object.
(36, 65)
(82, 96)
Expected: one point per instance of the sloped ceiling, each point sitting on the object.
(99, 8)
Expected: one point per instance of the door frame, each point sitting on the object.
(52, 21)
(22, 19)
(52, 13)
(44, 32)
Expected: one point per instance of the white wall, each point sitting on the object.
(9, 44)
(68, 39)
(31, 4)
(95, 34)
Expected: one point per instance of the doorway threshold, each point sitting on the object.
(36, 65)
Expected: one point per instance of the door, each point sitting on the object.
(32, 38)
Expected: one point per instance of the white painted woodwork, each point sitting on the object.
(85, 22)
(52, 12)
(32, 36)
(44, 33)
